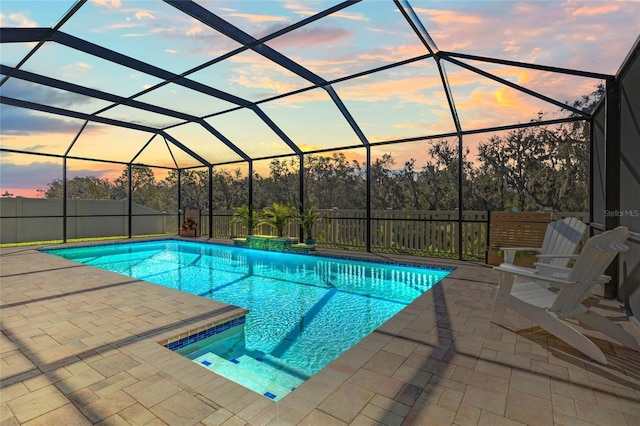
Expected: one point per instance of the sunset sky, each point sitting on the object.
(401, 102)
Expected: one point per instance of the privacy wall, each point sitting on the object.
(629, 287)
(622, 175)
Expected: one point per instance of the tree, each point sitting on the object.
(141, 176)
(229, 189)
(280, 186)
(334, 181)
(79, 188)
(144, 187)
(195, 189)
(440, 174)
(383, 183)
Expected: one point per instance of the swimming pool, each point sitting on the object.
(304, 311)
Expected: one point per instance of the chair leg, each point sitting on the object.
(502, 297)
(558, 328)
(610, 329)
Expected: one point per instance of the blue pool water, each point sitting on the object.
(304, 310)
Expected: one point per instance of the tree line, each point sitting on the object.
(524, 169)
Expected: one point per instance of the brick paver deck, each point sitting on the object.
(79, 346)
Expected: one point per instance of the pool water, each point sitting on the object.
(304, 311)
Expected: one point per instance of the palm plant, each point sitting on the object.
(307, 219)
(247, 217)
(278, 216)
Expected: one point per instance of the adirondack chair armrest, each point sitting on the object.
(510, 252)
(550, 267)
(558, 256)
(617, 247)
(532, 275)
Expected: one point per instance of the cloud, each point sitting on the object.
(597, 9)
(29, 176)
(350, 16)
(253, 71)
(412, 89)
(143, 14)
(112, 4)
(169, 31)
(37, 175)
(268, 85)
(170, 50)
(388, 54)
(193, 30)
(122, 25)
(19, 122)
(16, 20)
(42, 94)
(251, 17)
(486, 107)
(77, 67)
(16, 121)
(307, 38)
(299, 8)
(302, 9)
(449, 16)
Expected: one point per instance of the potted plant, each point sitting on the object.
(189, 228)
(278, 216)
(307, 219)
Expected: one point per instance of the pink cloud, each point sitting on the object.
(251, 17)
(262, 82)
(413, 89)
(308, 38)
(449, 16)
(597, 9)
(193, 30)
(389, 54)
(299, 8)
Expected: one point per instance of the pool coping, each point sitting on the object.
(322, 252)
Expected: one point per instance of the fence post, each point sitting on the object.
(486, 249)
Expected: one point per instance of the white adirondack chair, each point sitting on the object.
(548, 309)
(560, 241)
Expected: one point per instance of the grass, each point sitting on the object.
(78, 240)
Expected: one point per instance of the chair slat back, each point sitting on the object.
(598, 252)
(563, 237)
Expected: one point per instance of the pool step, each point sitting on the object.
(252, 373)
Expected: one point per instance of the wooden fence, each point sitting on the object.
(432, 233)
(521, 229)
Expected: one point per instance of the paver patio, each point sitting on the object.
(80, 346)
